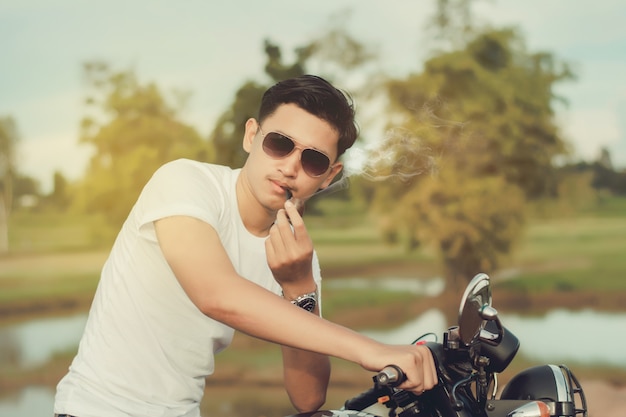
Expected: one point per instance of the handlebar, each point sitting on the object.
(390, 376)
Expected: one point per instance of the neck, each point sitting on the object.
(255, 217)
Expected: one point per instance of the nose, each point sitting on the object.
(291, 164)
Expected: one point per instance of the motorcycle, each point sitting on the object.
(468, 361)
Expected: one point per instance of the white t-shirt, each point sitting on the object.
(147, 348)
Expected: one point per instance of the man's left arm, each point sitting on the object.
(306, 376)
(289, 252)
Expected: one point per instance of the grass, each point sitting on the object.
(55, 254)
(584, 253)
(54, 232)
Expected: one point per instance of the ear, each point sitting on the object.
(336, 169)
(252, 127)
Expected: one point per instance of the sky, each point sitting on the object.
(210, 48)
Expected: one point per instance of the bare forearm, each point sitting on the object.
(274, 319)
(306, 377)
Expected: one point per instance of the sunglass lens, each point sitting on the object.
(314, 162)
(277, 145)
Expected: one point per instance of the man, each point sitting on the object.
(208, 249)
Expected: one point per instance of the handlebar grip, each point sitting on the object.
(390, 376)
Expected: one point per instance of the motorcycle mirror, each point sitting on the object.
(476, 298)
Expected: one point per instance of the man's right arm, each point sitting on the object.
(194, 251)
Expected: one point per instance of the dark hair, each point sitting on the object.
(318, 97)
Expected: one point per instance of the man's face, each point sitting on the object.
(271, 177)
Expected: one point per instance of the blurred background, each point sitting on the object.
(493, 139)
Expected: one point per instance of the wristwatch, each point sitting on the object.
(306, 301)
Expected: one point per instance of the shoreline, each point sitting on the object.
(514, 301)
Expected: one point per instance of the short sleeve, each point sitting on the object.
(182, 187)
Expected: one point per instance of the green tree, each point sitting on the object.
(60, 195)
(497, 95)
(227, 135)
(333, 51)
(484, 113)
(8, 143)
(24, 185)
(133, 130)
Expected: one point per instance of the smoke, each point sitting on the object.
(398, 155)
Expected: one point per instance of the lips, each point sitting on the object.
(281, 187)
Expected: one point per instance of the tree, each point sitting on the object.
(335, 50)
(501, 98)
(227, 135)
(484, 113)
(60, 195)
(133, 130)
(8, 143)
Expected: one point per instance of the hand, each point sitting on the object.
(289, 251)
(416, 362)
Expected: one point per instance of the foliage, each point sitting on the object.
(334, 51)
(228, 132)
(140, 132)
(603, 176)
(483, 115)
(59, 197)
(499, 97)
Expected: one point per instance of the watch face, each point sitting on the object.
(307, 303)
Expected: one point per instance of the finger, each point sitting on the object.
(299, 228)
(284, 229)
(282, 218)
(434, 377)
(272, 240)
(275, 243)
(430, 369)
(293, 213)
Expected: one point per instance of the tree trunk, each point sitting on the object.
(4, 226)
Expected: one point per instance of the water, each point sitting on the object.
(30, 402)
(34, 342)
(560, 336)
(430, 288)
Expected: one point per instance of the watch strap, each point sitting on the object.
(307, 301)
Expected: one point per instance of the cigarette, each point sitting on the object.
(296, 201)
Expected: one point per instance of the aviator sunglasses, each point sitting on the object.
(276, 145)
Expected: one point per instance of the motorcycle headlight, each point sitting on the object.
(554, 385)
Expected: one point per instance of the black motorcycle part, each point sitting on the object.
(367, 398)
(549, 383)
(500, 352)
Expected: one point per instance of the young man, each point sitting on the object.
(208, 249)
